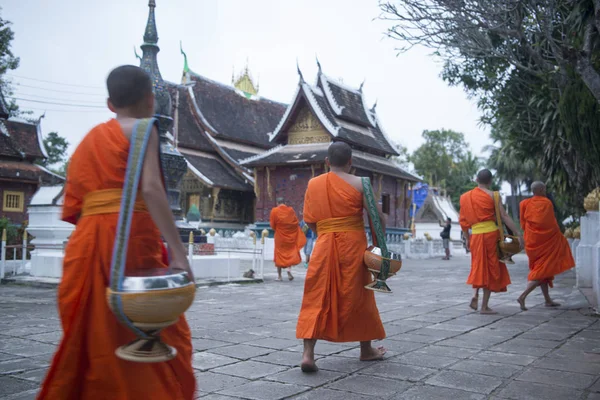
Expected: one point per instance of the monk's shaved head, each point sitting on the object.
(484, 177)
(128, 86)
(538, 188)
(339, 154)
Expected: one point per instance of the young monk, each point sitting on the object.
(289, 238)
(336, 306)
(548, 250)
(477, 212)
(85, 366)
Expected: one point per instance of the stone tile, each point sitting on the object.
(340, 364)
(427, 392)
(370, 385)
(447, 351)
(326, 349)
(14, 343)
(250, 369)
(413, 337)
(33, 350)
(205, 361)
(504, 358)
(547, 344)
(26, 395)
(297, 377)
(29, 330)
(465, 381)
(275, 343)
(50, 337)
(396, 347)
(596, 386)
(6, 357)
(398, 371)
(328, 394)
(265, 390)
(19, 365)
(486, 368)
(521, 349)
(287, 358)
(213, 396)
(241, 351)
(209, 382)
(516, 390)
(568, 365)
(558, 378)
(207, 344)
(593, 396)
(9, 385)
(36, 375)
(437, 333)
(424, 360)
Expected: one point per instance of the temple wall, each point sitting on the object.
(27, 189)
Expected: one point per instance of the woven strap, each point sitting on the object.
(139, 143)
(376, 228)
(498, 216)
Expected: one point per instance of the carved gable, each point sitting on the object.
(306, 128)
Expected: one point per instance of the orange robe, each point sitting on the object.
(336, 306)
(85, 366)
(289, 238)
(548, 250)
(486, 270)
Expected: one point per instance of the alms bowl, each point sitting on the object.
(373, 260)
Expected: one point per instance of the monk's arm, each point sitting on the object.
(156, 200)
(508, 221)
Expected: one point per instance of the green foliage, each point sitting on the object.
(444, 161)
(8, 62)
(12, 232)
(193, 214)
(56, 148)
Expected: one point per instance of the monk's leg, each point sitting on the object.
(289, 272)
(308, 356)
(370, 353)
(475, 299)
(530, 286)
(279, 274)
(484, 303)
(549, 301)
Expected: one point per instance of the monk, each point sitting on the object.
(289, 238)
(548, 250)
(336, 306)
(85, 366)
(477, 212)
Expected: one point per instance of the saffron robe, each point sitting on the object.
(289, 238)
(85, 366)
(487, 271)
(336, 306)
(548, 250)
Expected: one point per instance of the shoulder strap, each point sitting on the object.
(376, 226)
(498, 216)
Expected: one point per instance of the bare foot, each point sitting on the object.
(474, 303)
(278, 279)
(373, 354)
(522, 304)
(552, 304)
(290, 276)
(488, 311)
(308, 366)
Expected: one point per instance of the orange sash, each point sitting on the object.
(343, 224)
(107, 201)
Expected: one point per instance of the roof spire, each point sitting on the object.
(299, 72)
(150, 48)
(318, 63)
(361, 85)
(186, 67)
(374, 106)
(150, 34)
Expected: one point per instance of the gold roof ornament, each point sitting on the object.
(245, 83)
(577, 233)
(590, 203)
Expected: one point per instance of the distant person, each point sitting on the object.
(289, 238)
(548, 250)
(336, 306)
(85, 365)
(310, 241)
(445, 234)
(478, 213)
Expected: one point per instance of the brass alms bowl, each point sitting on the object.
(373, 259)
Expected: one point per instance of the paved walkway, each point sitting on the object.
(245, 343)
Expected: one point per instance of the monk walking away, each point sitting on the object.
(289, 238)
(548, 251)
(336, 307)
(85, 366)
(478, 213)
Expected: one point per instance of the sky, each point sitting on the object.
(68, 47)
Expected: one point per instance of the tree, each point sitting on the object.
(403, 158)
(8, 62)
(56, 148)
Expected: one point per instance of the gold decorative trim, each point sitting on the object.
(592, 200)
(215, 192)
(312, 170)
(269, 187)
(256, 185)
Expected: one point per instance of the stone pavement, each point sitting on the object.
(244, 337)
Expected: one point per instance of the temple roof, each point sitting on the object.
(3, 107)
(342, 112)
(21, 139)
(436, 208)
(229, 114)
(315, 153)
(19, 171)
(215, 172)
(189, 134)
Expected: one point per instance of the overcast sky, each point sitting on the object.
(78, 42)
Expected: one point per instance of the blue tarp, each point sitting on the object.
(421, 190)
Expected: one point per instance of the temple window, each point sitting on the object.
(13, 201)
(385, 203)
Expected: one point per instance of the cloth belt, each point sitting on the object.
(107, 201)
(342, 224)
(484, 227)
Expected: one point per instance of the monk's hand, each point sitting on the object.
(521, 242)
(468, 242)
(179, 266)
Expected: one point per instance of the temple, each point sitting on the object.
(243, 151)
(21, 146)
